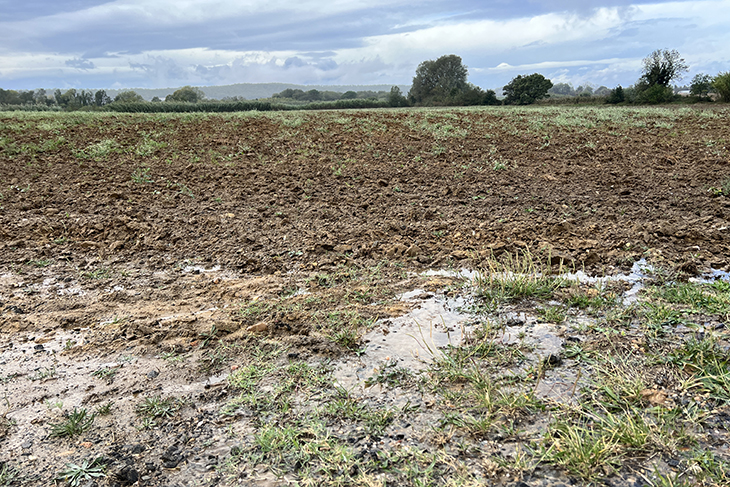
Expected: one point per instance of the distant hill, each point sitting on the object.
(252, 91)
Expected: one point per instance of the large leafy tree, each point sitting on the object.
(101, 98)
(438, 80)
(701, 86)
(187, 94)
(128, 96)
(721, 84)
(524, 90)
(661, 67)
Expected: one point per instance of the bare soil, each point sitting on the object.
(128, 242)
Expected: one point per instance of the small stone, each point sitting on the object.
(553, 360)
(396, 250)
(413, 251)
(116, 245)
(152, 374)
(460, 254)
(258, 327)
(654, 397)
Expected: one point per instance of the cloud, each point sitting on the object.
(80, 64)
(176, 42)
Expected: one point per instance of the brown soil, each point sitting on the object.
(148, 232)
(265, 193)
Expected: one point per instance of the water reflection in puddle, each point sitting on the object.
(413, 340)
(410, 341)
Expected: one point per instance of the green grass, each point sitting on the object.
(75, 424)
(156, 408)
(8, 475)
(516, 277)
(707, 366)
(74, 475)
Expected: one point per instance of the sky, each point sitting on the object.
(96, 44)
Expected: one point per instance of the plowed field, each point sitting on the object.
(157, 237)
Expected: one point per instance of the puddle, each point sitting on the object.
(410, 341)
(413, 339)
(461, 274)
(542, 336)
(196, 269)
(640, 270)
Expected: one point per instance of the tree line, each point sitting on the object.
(440, 82)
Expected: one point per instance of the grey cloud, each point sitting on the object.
(161, 69)
(294, 62)
(80, 64)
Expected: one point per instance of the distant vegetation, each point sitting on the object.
(440, 82)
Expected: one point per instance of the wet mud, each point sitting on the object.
(142, 256)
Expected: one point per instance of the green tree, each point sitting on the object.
(396, 98)
(187, 94)
(653, 94)
(438, 80)
(616, 96)
(721, 83)
(348, 95)
(661, 67)
(565, 89)
(701, 86)
(9, 97)
(474, 95)
(67, 99)
(101, 98)
(524, 90)
(312, 95)
(128, 96)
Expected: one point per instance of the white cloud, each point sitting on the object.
(605, 43)
(488, 35)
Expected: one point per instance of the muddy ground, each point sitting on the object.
(148, 257)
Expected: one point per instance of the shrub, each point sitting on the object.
(616, 96)
(525, 90)
(721, 83)
(655, 94)
(701, 86)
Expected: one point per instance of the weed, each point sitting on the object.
(142, 175)
(499, 164)
(390, 374)
(583, 450)
(100, 273)
(708, 364)
(76, 423)
(98, 151)
(105, 409)
(7, 475)
(87, 471)
(593, 299)
(156, 407)
(553, 314)
(148, 147)
(172, 357)
(53, 404)
(348, 338)
(43, 374)
(516, 277)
